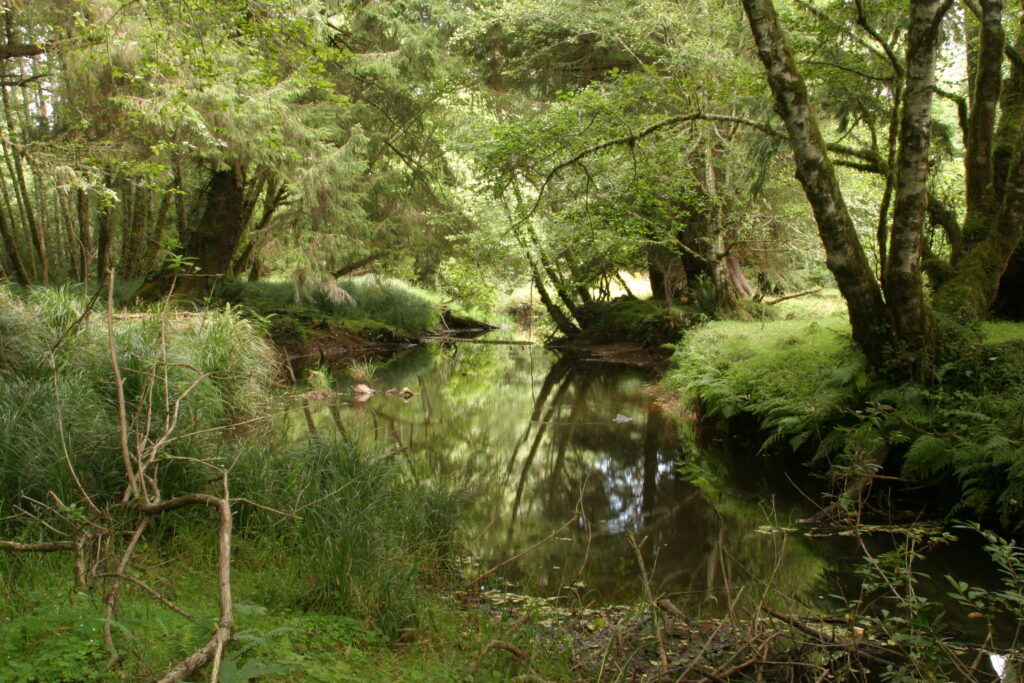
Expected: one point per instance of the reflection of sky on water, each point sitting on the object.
(536, 438)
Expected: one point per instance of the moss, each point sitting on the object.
(998, 332)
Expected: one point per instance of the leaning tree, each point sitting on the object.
(892, 319)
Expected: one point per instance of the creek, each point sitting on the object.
(578, 453)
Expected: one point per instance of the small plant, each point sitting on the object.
(362, 370)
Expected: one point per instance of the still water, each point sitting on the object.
(577, 457)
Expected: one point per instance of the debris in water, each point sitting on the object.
(621, 419)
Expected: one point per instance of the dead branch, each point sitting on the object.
(521, 654)
(38, 547)
(670, 607)
(531, 548)
(780, 299)
(146, 587)
(214, 648)
(655, 616)
(114, 592)
(132, 491)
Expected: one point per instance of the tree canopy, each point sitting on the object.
(544, 142)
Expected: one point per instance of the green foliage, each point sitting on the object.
(807, 385)
(388, 300)
(894, 609)
(54, 644)
(365, 546)
(648, 322)
(60, 407)
(371, 306)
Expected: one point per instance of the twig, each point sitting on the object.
(132, 491)
(112, 595)
(532, 547)
(264, 507)
(521, 654)
(655, 615)
(779, 299)
(144, 586)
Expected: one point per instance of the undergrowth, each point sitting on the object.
(371, 301)
(327, 536)
(647, 322)
(807, 385)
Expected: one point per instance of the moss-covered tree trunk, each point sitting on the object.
(845, 257)
(215, 236)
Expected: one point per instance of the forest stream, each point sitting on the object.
(577, 452)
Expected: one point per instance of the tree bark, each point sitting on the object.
(982, 117)
(845, 258)
(904, 293)
(213, 242)
(12, 251)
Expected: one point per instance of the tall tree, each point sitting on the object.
(892, 321)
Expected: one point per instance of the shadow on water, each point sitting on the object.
(535, 438)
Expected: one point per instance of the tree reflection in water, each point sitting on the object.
(534, 437)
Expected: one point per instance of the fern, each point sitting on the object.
(926, 456)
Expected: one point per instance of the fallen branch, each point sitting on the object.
(463, 340)
(144, 586)
(52, 547)
(531, 548)
(521, 654)
(786, 297)
(214, 648)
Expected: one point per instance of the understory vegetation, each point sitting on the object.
(817, 206)
(337, 553)
(810, 390)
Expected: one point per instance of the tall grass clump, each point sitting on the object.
(403, 307)
(384, 299)
(58, 400)
(364, 538)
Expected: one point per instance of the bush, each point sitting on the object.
(647, 321)
(806, 383)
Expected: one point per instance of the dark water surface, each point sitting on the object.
(537, 438)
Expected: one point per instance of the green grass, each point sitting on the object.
(739, 366)
(804, 381)
(997, 332)
(71, 392)
(362, 553)
(365, 304)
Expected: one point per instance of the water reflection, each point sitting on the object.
(536, 438)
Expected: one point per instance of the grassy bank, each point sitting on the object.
(800, 377)
(341, 563)
(328, 312)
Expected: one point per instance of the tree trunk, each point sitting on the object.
(103, 238)
(904, 291)
(84, 234)
(845, 258)
(215, 238)
(665, 272)
(562, 322)
(12, 251)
